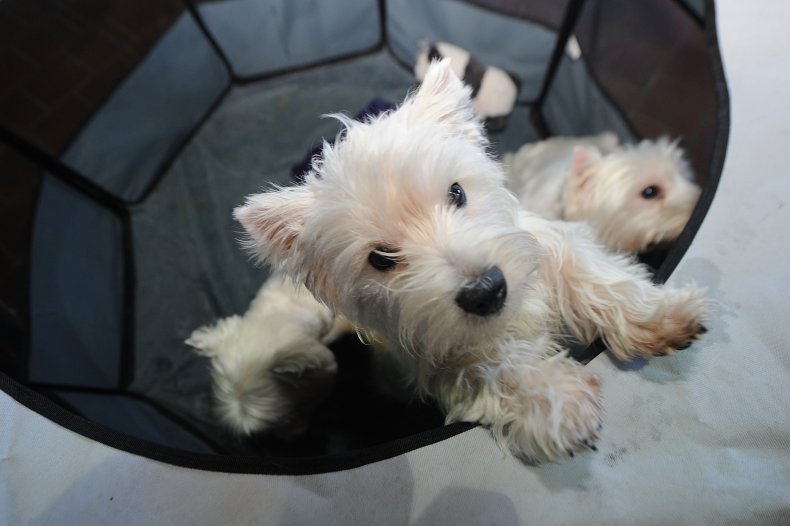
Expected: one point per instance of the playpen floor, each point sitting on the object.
(191, 269)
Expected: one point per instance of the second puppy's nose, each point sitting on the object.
(485, 295)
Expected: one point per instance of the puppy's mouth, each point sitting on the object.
(485, 295)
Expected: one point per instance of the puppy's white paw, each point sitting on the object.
(258, 385)
(560, 422)
(677, 321)
(544, 411)
(278, 394)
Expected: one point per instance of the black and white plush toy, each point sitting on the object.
(494, 90)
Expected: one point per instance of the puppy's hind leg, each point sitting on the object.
(601, 294)
(271, 367)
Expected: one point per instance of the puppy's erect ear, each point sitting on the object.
(275, 220)
(443, 98)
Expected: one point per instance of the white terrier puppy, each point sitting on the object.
(405, 228)
(270, 368)
(633, 197)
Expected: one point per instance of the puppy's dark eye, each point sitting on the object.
(651, 192)
(456, 195)
(379, 259)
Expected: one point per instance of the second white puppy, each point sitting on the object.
(633, 196)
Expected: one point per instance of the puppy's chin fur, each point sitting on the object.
(416, 189)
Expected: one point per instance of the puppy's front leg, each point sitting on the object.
(537, 407)
(600, 294)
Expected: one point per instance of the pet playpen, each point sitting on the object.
(128, 132)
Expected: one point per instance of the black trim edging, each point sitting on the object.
(244, 464)
(721, 139)
(56, 391)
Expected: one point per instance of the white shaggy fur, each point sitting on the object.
(593, 179)
(270, 367)
(386, 185)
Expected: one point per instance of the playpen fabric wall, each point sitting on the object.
(701, 437)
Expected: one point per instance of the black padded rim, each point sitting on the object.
(721, 138)
(47, 408)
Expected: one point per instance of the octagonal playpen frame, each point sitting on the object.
(91, 284)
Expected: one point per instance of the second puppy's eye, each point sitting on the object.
(651, 192)
(456, 195)
(379, 259)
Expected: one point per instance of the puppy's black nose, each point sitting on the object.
(485, 295)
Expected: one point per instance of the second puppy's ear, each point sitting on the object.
(274, 221)
(584, 159)
(443, 98)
